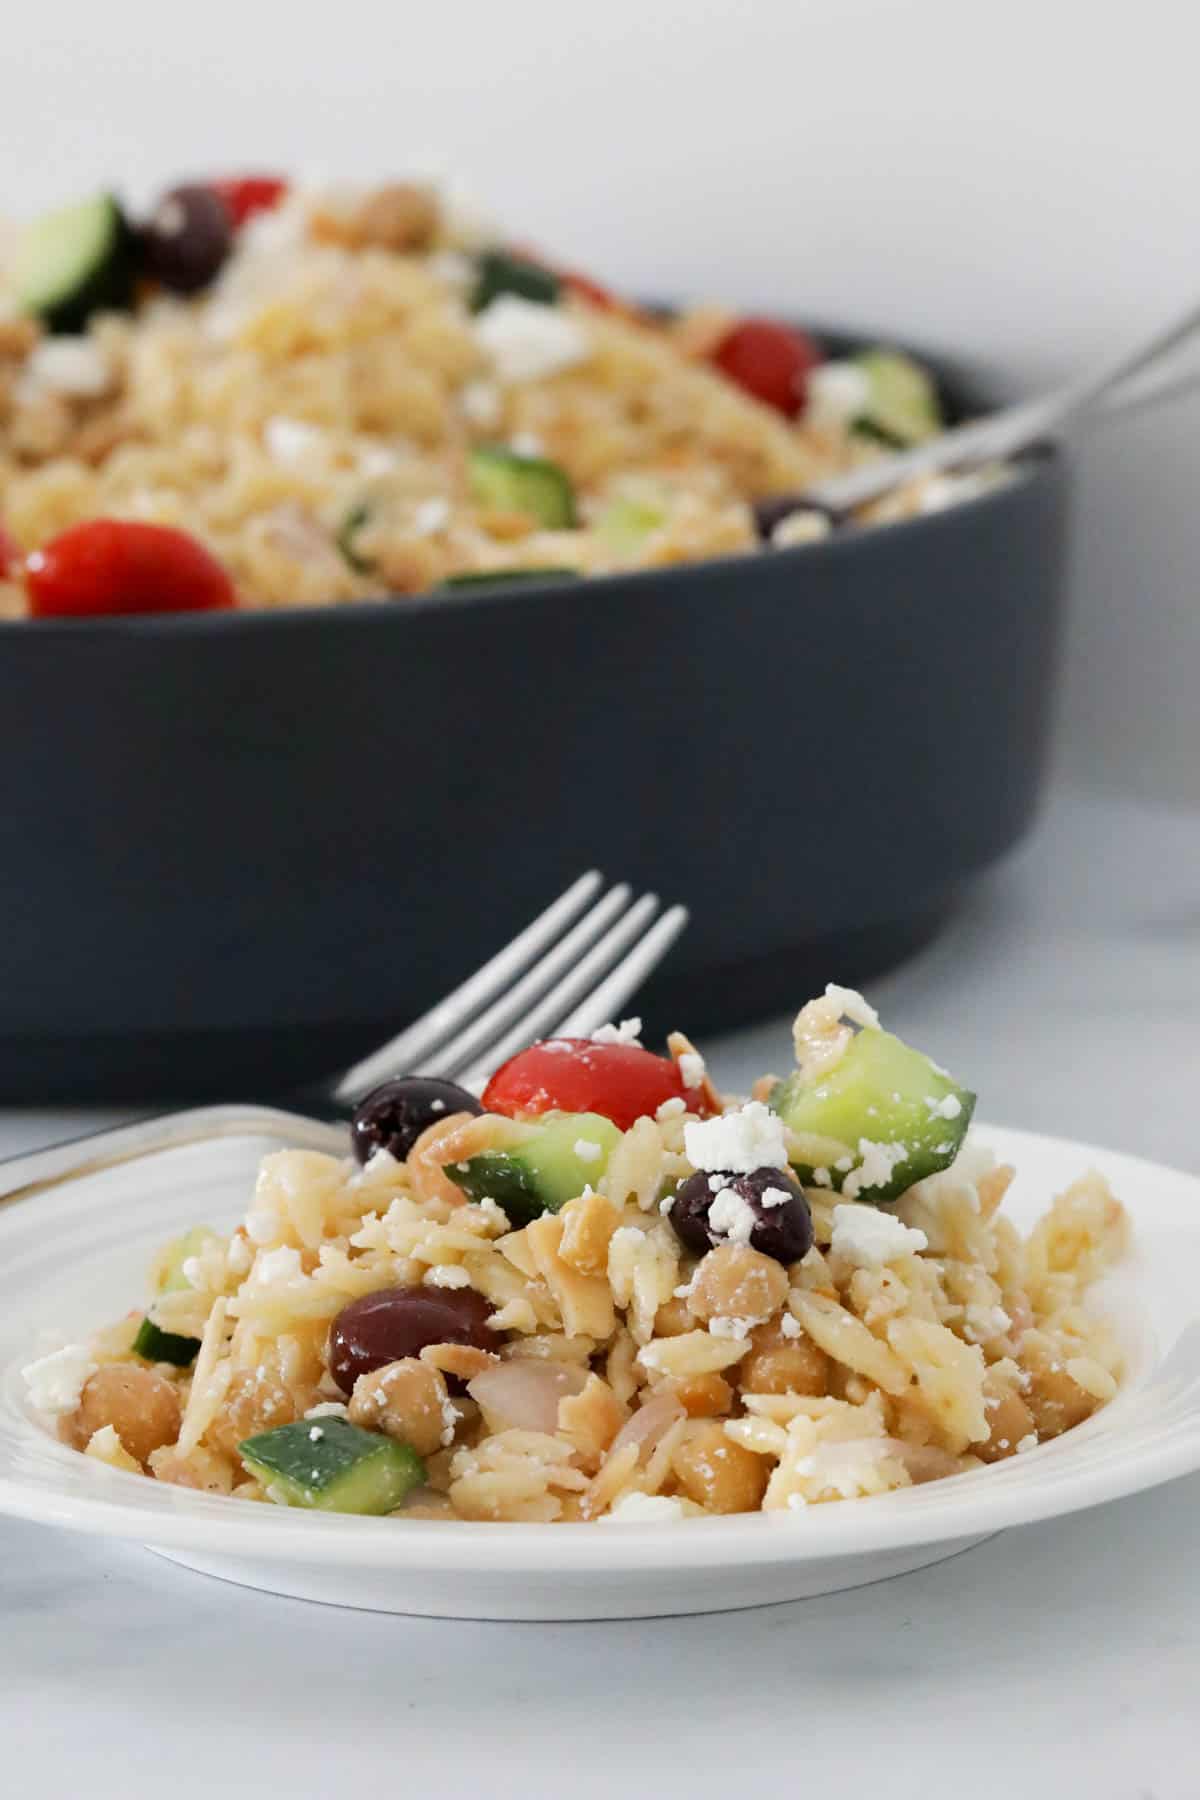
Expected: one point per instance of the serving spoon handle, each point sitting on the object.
(1015, 428)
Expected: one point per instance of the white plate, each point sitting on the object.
(75, 1256)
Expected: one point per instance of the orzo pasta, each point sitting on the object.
(605, 1293)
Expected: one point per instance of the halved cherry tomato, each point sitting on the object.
(246, 195)
(770, 361)
(123, 566)
(622, 1081)
(587, 289)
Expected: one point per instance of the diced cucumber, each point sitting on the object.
(887, 1095)
(554, 1160)
(151, 1341)
(500, 273)
(503, 478)
(902, 406)
(475, 578)
(625, 523)
(165, 1346)
(333, 1466)
(348, 530)
(170, 1277)
(74, 262)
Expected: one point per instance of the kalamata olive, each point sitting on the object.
(396, 1322)
(393, 1115)
(782, 1229)
(188, 237)
(775, 507)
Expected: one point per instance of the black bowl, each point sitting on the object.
(239, 849)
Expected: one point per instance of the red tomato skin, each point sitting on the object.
(105, 566)
(246, 195)
(768, 360)
(587, 289)
(621, 1081)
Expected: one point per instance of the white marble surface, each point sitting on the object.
(1053, 1661)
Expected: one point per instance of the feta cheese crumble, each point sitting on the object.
(877, 1164)
(870, 1238)
(447, 1275)
(276, 1265)
(692, 1069)
(643, 1509)
(836, 393)
(526, 341)
(74, 366)
(586, 1150)
(55, 1383)
(732, 1217)
(736, 1143)
(629, 1031)
(292, 441)
(948, 1108)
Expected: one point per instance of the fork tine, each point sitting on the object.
(546, 1015)
(606, 1001)
(424, 1034)
(461, 1050)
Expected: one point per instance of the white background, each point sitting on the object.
(1018, 184)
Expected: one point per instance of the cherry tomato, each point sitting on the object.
(770, 361)
(622, 1081)
(588, 289)
(246, 195)
(121, 566)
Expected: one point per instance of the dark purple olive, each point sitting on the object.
(783, 1230)
(187, 238)
(769, 512)
(395, 1322)
(393, 1116)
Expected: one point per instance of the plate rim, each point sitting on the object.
(997, 1498)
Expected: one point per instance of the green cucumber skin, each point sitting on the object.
(904, 408)
(173, 1280)
(541, 1173)
(165, 1346)
(105, 283)
(496, 1175)
(502, 477)
(344, 1469)
(878, 1091)
(499, 273)
(353, 522)
(484, 578)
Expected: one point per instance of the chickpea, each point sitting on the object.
(717, 1473)
(401, 216)
(672, 1319)
(704, 1396)
(736, 1282)
(142, 1408)
(783, 1365)
(1056, 1401)
(254, 1401)
(407, 1400)
(1010, 1419)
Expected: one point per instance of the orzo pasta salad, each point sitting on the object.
(605, 1293)
(264, 395)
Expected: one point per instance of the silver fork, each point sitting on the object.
(566, 974)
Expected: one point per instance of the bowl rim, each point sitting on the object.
(1037, 465)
